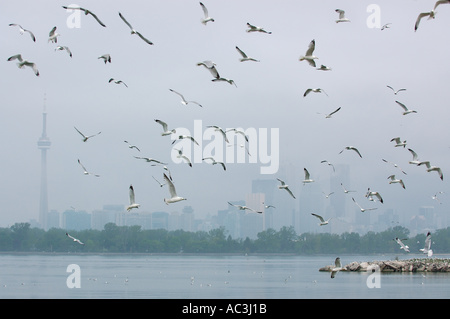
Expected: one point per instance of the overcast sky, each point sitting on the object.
(268, 95)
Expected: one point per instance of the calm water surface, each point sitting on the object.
(209, 277)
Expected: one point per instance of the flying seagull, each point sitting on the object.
(237, 131)
(62, 48)
(160, 184)
(165, 131)
(329, 115)
(117, 81)
(318, 90)
(307, 177)
(323, 222)
(149, 160)
(431, 168)
(395, 165)
(106, 58)
(398, 142)
(183, 100)
(174, 197)
(345, 190)
(214, 162)
(342, 17)
(220, 130)
(363, 209)
(253, 28)
(427, 248)
(85, 172)
(86, 137)
(207, 18)
(395, 180)
(210, 66)
(186, 159)
(329, 164)
(181, 137)
(222, 79)
(53, 35)
(74, 239)
(351, 148)
(337, 267)
(22, 30)
(386, 26)
(415, 160)
(327, 195)
(244, 208)
(395, 91)
(23, 63)
(430, 15)
(406, 111)
(133, 203)
(402, 245)
(86, 12)
(284, 186)
(436, 198)
(132, 146)
(323, 68)
(309, 54)
(374, 193)
(245, 57)
(133, 31)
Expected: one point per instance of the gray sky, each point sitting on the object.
(269, 94)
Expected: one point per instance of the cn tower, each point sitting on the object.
(43, 144)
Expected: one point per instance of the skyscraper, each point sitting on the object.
(43, 144)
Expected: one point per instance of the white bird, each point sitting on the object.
(86, 137)
(117, 81)
(86, 12)
(309, 56)
(181, 155)
(62, 48)
(374, 193)
(22, 30)
(324, 68)
(253, 28)
(395, 91)
(415, 160)
(181, 137)
(395, 180)
(308, 178)
(329, 164)
(214, 162)
(85, 171)
(436, 198)
(363, 209)
(342, 17)
(245, 57)
(165, 131)
(327, 195)
(183, 100)
(430, 15)
(133, 31)
(220, 130)
(210, 66)
(237, 131)
(285, 187)
(385, 26)
(346, 191)
(133, 203)
(74, 239)
(207, 18)
(337, 267)
(160, 184)
(406, 111)
(351, 148)
(174, 197)
(398, 142)
(323, 222)
(23, 63)
(402, 245)
(53, 35)
(244, 208)
(427, 248)
(395, 165)
(150, 160)
(329, 115)
(132, 146)
(318, 90)
(431, 168)
(106, 58)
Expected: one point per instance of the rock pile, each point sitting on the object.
(409, 265)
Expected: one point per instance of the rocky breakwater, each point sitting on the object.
(407, 265)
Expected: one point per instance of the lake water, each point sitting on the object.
(206, 277)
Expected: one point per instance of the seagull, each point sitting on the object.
(324, 68)
(351, 148)
(86, 12)
(23, 63)
(337, 267)
(327, 195)
(53, 35)
(318, 90)
(395, 91)
(238, 132)
(219, 129)
(174, 197)
(215, 162)
(117, 81)
(252, 28)
(394, 180)
(133, 31)
(309, 54)
(106, 58)
(74, 239)
(85, 137)
(85, 172)
(386, 26)
(22, 30)
(160, 184)
(207, 18)
(436, 198)
(342, 17)
(269, 206)
(402, 245)
(61, 48)
(363, 209)
(132, 146)
(323, 222)
(406, 111)
(183, 100)
(431, 168)
(398, 142)
(221, 79)
(181, 137)
(211, 66)
(284, 186)
(373, 193)
(415, 160)
(327, 116)
(244, 208)
(165, 131)
(427, 248)
(395, 165)
(307, 177)
(149, 160)
(132, 200)
(329, 164)
(181, 155)
(244, 56)
(430, 15)
(345, 190)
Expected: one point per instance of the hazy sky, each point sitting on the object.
(269, 95)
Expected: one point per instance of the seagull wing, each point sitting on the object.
(440, 2)
(172, 190)
(307, 92)
(181, 95)
(132, 200)
(126, 22)
(334, 111)
(311, 47)
(290, 192)
(16, 56)
(423, 14)
(144, 38)
(241, 52)
(414, 154)
(281, 181)
(96, 18)
(318, 216)
(306, 173)
(84, 136)
(164, 124)
(205, 11)
(402, 105)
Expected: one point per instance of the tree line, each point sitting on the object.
(132, 239)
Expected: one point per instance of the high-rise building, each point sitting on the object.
(43, 144)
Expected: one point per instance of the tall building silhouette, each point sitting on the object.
(43, 144)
